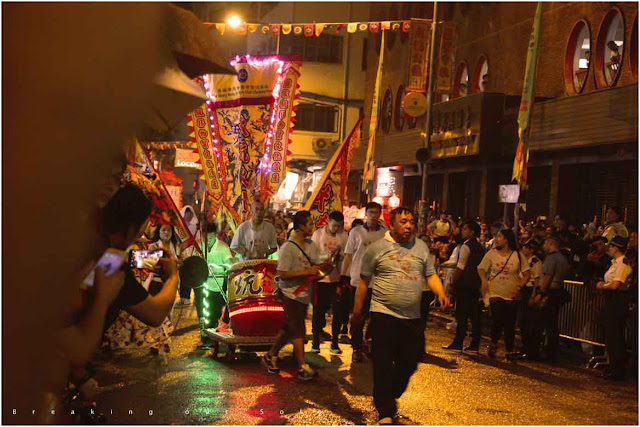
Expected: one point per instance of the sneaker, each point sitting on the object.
(386, 421)
(357, 356)
(315, 346)
(473, 348)
(306, 373)
(491, 350)
(271, 363)
(186, 301)
(335, 348)
(452, 347)
(452, 325)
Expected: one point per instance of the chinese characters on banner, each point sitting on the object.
(444, 77)
(331, 192)
(419, 55)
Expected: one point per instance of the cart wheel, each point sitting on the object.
(215, 346)
(231, 353)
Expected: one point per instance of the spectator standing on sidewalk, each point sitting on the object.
(396, 266)
(296, 270)
(441, 229)
(467, 288)
(508, 273)
(359, 240)
(331, 242)
(530, 348)
(616, 289)
(613, 225)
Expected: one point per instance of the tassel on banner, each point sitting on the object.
(221, 28)
(286, 28)
(319, 29)
(308, 30)
(352, 27)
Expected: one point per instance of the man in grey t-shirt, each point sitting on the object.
(400, 264)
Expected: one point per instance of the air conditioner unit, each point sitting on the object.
(321, 145)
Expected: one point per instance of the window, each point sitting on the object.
(326, 49)
(577, 58)
(480, 75)
(461, 82)
(609, 49)
(316, 118)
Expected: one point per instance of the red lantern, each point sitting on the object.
(394, 201)
(379, 200)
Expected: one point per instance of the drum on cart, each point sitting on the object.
(254, 308)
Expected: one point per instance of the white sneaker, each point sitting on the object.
(452, 325)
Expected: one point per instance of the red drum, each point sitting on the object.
(254, 309)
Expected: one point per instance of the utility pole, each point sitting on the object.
(427, 124)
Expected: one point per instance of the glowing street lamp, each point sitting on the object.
(234, 21)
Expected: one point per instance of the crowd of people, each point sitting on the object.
(377, 277)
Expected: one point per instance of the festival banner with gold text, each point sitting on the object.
(444, 76)
(330, 193)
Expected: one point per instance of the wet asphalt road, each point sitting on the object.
(450, 388)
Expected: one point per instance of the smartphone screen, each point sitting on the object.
(110, 261)
(145, 259)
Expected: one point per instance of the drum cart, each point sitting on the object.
(256, 315)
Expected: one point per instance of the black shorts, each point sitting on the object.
(295, 313)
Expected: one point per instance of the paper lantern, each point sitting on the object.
(379, 200)
(394, 201)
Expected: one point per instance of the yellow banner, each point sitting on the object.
(254, 80)
(331, 192)
(444, 77)
(373, 124)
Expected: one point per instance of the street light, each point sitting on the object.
(234, 21)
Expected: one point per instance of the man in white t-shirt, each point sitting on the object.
(359, 240)
(331, 242)
(255, 238)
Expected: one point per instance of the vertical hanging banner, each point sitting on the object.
(331, 192)
(418, 54)
(526, 104)
(444, 76)
(373, 124)
(141, 173)
(250, 117)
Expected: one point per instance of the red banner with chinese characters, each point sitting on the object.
(331, 192)
(419, 55)
(444, 76)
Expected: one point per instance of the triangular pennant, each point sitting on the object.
(242, 30)
(406, 26)
(265, 29)
(275, 29)
(286, 28)
(352, 27)
(220, 28)
(309, 30)
(385, 25)
(395, 26)
(374, 26)
(297, 30)
(363, 26)
(319, 29)
(252, 28)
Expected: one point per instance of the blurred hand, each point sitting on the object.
(444, 301)
(108, 287)
(169, 265)
(314, 270)
(600, 285)
(356, 318)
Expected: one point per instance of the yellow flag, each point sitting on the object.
(373, 123)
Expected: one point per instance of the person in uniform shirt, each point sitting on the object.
(441, 229)
(530, 348)
(396, 266)
(613, 226)
(255, 238)
(551, 285)
(616, 308)
(359, 240)
(331, 242)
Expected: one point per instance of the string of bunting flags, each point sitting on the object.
(311, 29)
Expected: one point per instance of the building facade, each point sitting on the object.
(584, 124)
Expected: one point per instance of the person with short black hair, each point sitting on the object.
(530, 349)
(616, 309)
(297, 267)
(255, 238)
(467, 288)
(613, 226)
(395, 266)
(331, 242)
(441, 229)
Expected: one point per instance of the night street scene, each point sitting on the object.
(320, 213)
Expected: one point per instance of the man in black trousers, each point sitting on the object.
(466, 284)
